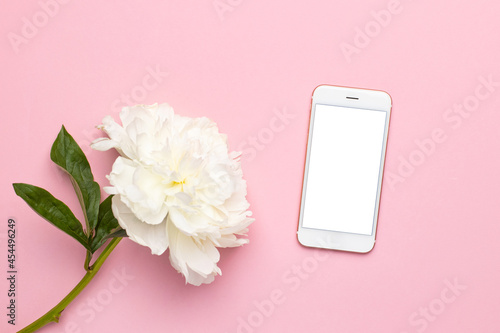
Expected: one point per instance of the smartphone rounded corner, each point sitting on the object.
(368, 249)
(387, 97)
(318, 89)
(300, 239)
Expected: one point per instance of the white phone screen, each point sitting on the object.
(344, 168)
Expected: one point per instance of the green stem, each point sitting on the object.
(53, 314)
(88, 257)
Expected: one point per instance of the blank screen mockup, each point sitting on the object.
(344, 167)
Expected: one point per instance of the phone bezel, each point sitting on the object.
(373, 100)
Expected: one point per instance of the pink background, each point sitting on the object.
(439, 218)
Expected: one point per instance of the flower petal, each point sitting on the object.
(196, 261)
(152, 236)
(141, 190)
(103, 144)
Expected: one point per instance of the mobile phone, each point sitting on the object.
(342, 183)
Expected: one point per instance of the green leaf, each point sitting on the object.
(53, 210)
(107, 225)
(69, 156)
(118, 233)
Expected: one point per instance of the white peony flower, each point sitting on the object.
(176, 186)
